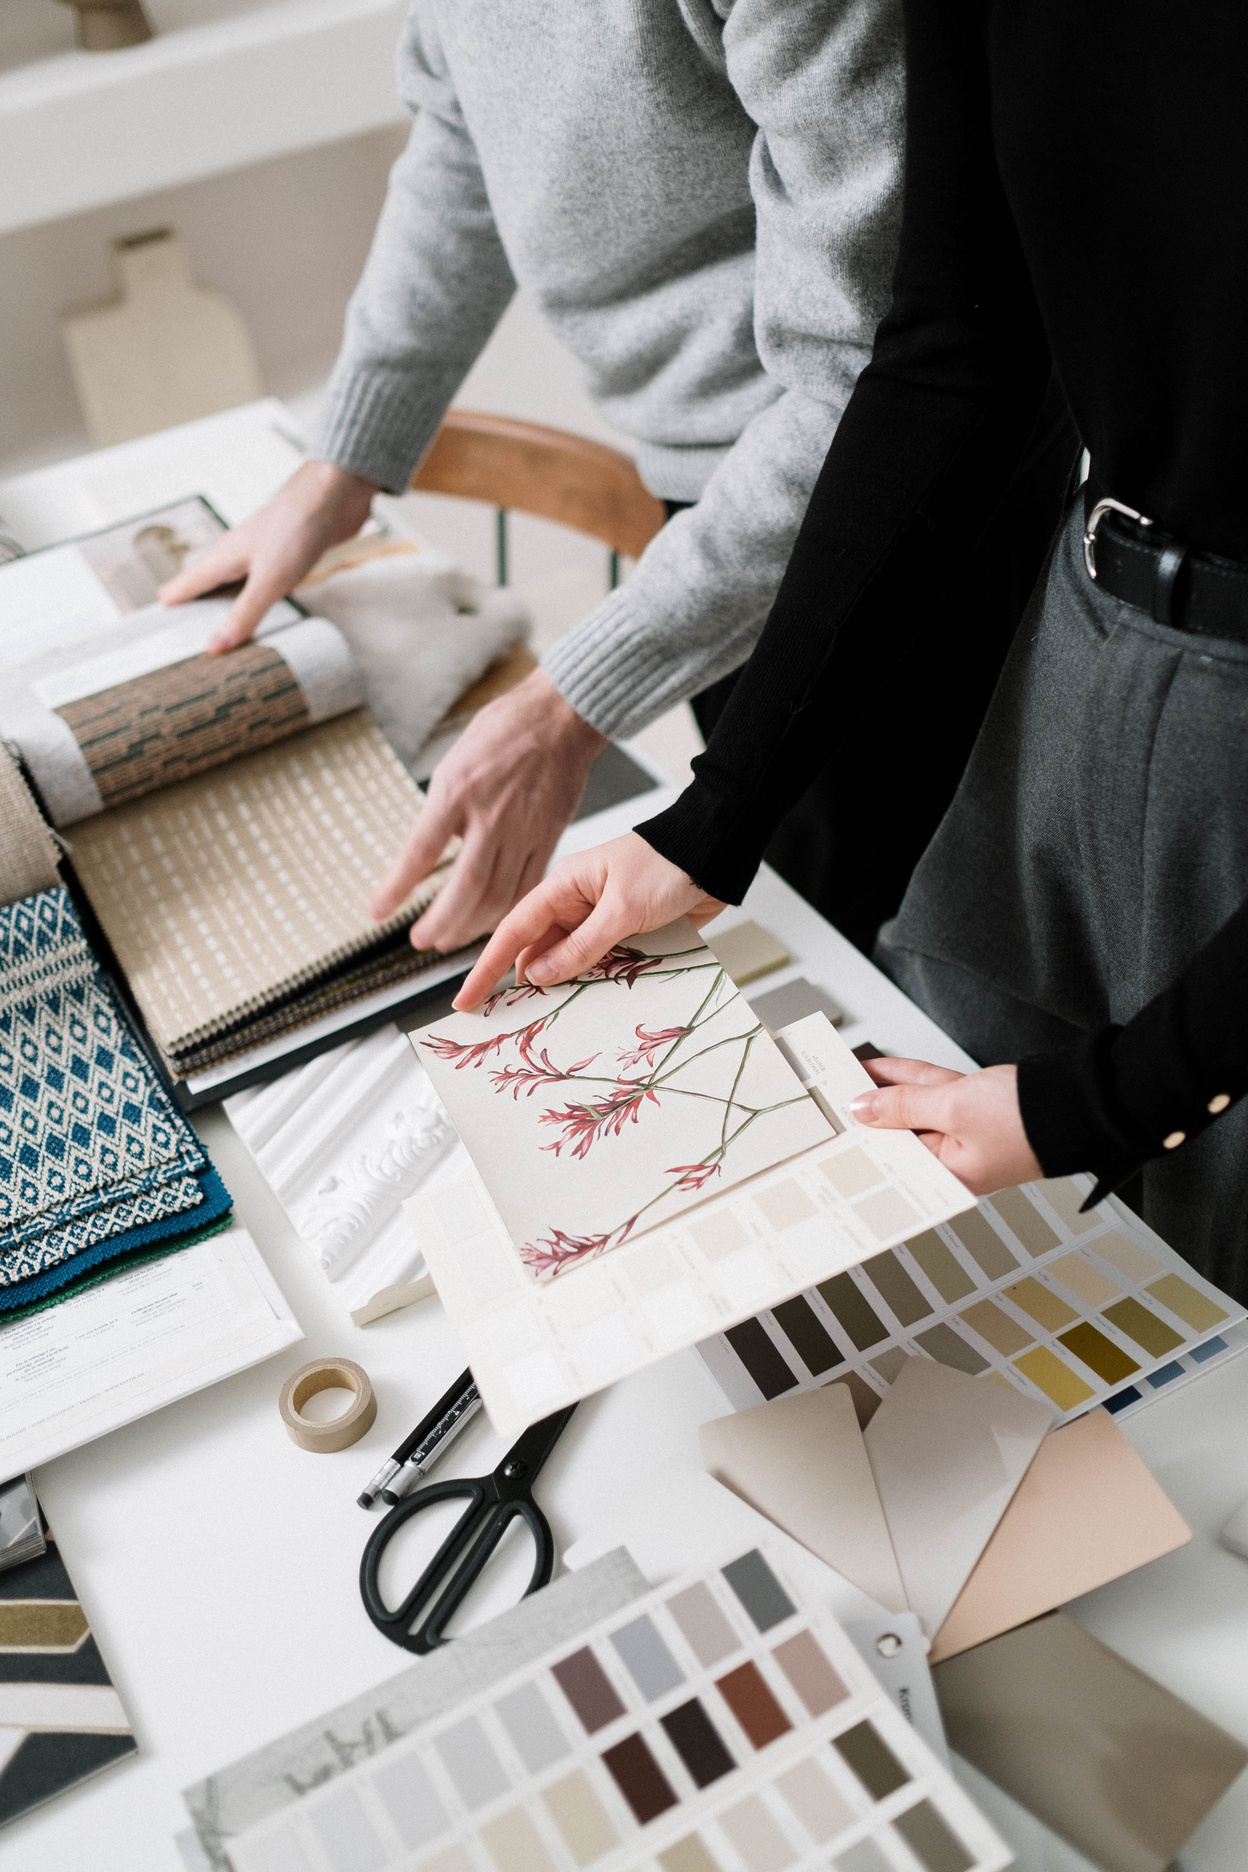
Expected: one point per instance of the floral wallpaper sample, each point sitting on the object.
(606, 1106)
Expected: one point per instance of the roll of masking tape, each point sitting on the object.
(338, 1432)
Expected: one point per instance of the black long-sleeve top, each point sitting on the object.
(1076, 195)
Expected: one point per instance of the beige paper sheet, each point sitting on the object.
(1087, 1511)
(228, 889)
(802, 1462)
(1100, 1753)
(947, 1453)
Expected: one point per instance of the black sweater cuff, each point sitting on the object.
(1073, 1115)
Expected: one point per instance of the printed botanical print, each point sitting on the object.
(598, 1109)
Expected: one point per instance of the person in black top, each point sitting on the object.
(1075, 198)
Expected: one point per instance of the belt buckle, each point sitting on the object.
(1094, 520)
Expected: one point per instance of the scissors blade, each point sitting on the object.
(524, 1459)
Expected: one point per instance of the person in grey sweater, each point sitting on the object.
(703, 198)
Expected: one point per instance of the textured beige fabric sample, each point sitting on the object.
(1087, 1511)
(28, 852)
(801, 1461)
(226, 891)
(1091, 1746)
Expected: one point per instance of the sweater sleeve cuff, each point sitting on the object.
(378, 424)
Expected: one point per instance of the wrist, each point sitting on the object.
(573, 735)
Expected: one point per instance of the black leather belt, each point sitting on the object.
(1133, 559)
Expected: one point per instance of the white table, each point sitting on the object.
(218, 1563)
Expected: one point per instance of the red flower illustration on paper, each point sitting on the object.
(552, 1253)
(693, 1176)
(583, 1125)
(625, 964)
(649, 1044)
(534, 1072)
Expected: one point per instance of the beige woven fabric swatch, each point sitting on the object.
(227, 891)
(28, 852)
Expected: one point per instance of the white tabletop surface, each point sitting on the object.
(218, 1563)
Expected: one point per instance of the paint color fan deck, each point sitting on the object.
(1024, 1290)
(715, 1725)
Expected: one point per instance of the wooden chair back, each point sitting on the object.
(549, 472)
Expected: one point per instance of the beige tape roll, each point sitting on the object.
(326, 1375)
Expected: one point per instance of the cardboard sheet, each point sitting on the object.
(1099, 1752)
(802, 1462)
(947, 1453)
(1087, 1511)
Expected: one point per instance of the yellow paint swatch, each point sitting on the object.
(1044, 1307)
(581, 1817)
(1098, 1353)
(1187, 1301)
(42, 1625)
(1086, 1282)
(1054, 1377)
(1138, 1323)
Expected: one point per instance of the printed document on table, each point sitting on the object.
(135, 1343)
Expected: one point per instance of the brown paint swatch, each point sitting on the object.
(1100, 1354)
(983, 1244)
(698, 1743)
(760, 1357)
(948, 1347)
(1030, 1296)
(864, 1749)
(753, 1705)
(805, 1664)
(1136, 1321)
(854, 1311)
(639, 1778)
(808, 1335)
(896, 1287)
(931, 1840)
(588, 1689)
(942, 1267)
(1024, 1219)
(1000, 1329)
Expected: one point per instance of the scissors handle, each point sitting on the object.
(458, 1563)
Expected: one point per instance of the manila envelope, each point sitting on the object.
(947, 1453)
(1087, 1511)
(1092, 1747)
(801, 1462)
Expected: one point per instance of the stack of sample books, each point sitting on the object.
(227, 818)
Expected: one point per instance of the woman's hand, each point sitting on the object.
(589, 903)
(971, 1121)
(276, 548)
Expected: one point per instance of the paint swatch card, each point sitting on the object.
(719, 1724)
(1102, 1754)
(537, 1344)
(947, 1454)
(802, 1462)
(1024, 1289)
(603, 1107)
(1086, 1512)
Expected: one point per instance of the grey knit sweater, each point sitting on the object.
(703, 198)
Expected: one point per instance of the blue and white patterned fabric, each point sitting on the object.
(91, 1145)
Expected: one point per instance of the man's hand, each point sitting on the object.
(276, 548)
(508, 788)
(971, 1121)
(589, 903)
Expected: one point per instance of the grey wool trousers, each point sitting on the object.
(1098, 839)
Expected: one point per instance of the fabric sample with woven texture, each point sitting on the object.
(55, 1243)
(86, 1130)
(28, 853)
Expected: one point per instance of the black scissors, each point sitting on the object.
(494, 1502)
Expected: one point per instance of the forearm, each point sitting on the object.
(434, 286)
(696, 603)
(1126, 1094)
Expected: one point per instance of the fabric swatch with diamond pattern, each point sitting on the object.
(85, 1126)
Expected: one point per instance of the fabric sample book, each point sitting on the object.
(230, 816)
(60, 1718)
(96, 1163)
